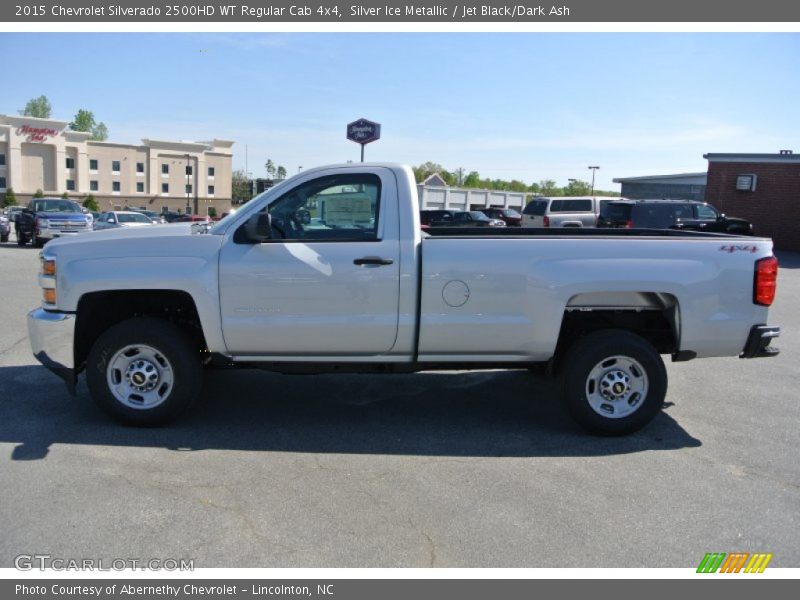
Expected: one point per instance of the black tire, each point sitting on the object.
(3, 238)
(37, 242)
(172, 343)
(589, 353)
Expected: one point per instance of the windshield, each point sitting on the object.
(510, 212)
(220, 225)
(132, 218)
(478, 216)
(56, 206)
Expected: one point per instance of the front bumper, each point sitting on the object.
(758, 341)
(51, 234)
(52, 341)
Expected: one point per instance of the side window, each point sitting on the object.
(334, 208)
(706, 212)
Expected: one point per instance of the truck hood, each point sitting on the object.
(176, 240)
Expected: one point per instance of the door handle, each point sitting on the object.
(373, 260)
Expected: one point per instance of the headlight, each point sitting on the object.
(42, 223)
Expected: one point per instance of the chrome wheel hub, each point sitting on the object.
(616, 387)
(140, 376)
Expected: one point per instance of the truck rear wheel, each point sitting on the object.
(613, 382)
(144, 372)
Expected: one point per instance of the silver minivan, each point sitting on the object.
(564, 211)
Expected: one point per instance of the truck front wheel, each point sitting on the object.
(613, 382)
(144, 372)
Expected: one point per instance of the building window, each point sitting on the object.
(211, 190)
(140, 187)
(93, 164)
(165, 188)
(2, 160)
(164, 169)
(70, 185)
(94, 186)
(2, 183)
(115, 186)
(188, 188)
(115, 166)
(140, 167)
(70, 163)
(745, 183)
(188, 170)
(210, 171)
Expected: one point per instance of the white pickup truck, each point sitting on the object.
(330, 271)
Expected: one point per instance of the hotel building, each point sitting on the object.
(44, 154)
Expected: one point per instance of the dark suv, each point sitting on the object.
(427, 217)
(670, 214)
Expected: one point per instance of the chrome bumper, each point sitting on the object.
(52, 341)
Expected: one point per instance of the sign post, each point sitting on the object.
(363, 132)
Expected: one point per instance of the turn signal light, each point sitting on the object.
(766, 281)
(48, 267)
(546, 221)
(49, 295)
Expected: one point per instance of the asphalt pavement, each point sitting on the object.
(462, 469)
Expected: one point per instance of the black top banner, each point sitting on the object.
(389, 11)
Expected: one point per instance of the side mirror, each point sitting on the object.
(720, 216)
(258, 228)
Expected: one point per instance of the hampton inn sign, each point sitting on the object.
(37, 134)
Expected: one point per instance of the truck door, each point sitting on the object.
(327, 283)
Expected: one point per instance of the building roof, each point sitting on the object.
(435, 180)
(787, 157)
(692, 178)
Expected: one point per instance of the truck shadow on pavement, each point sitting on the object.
(479, 414)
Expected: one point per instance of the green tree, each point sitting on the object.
(547, 187)
(10, 198)
(241, 191)
(212, 212)
(281, 172)
(85, 121)
(65, 196)
(270, 167)
(577, 187)
(91, 204)
(37, 107)
(472, 180)
(39, 194)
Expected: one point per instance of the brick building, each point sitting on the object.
(763, 188)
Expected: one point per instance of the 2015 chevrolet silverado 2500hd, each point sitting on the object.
(330, 271)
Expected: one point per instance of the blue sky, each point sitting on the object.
(524, 105)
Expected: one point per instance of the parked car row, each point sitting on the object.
(670, 214)
(44, 219)
(487, 217)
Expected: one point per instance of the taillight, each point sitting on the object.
(546, 221)
(629, 224)
(766, 280)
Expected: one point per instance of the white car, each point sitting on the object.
(144, 311)
(121, 218)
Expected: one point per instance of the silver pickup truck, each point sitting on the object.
(330, 271)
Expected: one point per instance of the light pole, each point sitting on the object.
(594, 170)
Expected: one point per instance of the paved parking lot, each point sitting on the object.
(456, 469)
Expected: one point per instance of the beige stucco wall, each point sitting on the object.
(41, 164)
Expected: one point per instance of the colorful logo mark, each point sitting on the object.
(736, 562)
